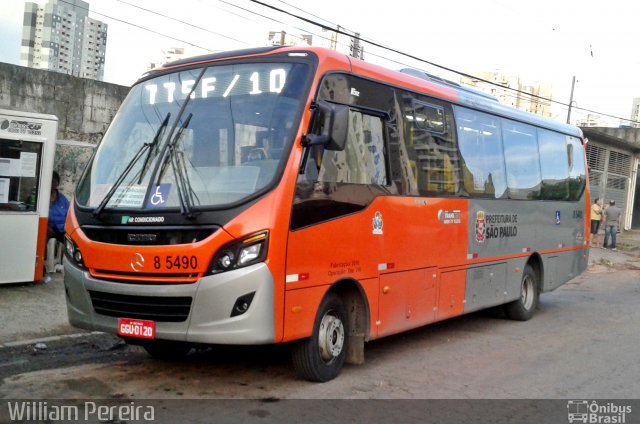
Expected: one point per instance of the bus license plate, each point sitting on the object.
(139, 328)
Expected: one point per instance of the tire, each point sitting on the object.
(167, 350)
(522, 309)
(321, 357)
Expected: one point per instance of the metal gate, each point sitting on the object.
(609, 172)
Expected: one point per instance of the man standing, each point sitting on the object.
(596, 218)
(611, 224)
(57, 210)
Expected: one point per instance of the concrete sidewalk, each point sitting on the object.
(626, 257)
(33, 312)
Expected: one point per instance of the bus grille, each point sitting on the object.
(148, 236)
(155, 308)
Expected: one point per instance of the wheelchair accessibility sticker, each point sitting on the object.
(159, 196)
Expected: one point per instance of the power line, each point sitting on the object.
(534, 98)
(182, 22)
(274, 20)
(310, 21)
(304, 11)
(135, 25)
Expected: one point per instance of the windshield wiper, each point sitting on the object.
(184, 184)
(185, 192)
(130, 165)
(165, 156)
(154, 146)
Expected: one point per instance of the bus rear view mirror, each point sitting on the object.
(330, 125)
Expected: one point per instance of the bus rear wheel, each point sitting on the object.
(321, 357)
(166, 349)
(522, 309)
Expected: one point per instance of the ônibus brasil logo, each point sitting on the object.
(593, 412)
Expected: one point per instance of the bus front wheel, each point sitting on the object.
(321, 357)
(522, 309)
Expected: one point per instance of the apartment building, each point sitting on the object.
(59, 36)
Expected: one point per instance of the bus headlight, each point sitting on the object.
(237, 254)
(73, 252)
(249, 253)
(226, 260)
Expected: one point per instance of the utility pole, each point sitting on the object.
(354, 48)
(334, 38)
(573, 83)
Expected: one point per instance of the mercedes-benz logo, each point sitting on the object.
(137, 262)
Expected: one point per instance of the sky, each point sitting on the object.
(541, 41)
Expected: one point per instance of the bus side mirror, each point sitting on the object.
(330, 123)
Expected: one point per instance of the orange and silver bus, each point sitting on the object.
(289, 194)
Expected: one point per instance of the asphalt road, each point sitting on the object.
(582, 343)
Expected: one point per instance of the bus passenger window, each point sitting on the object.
(522, 160)
(363, 159)
(431, 148)
(554, 165)
(480, 140)
(577, 172)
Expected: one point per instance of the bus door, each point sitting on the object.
(27, 149)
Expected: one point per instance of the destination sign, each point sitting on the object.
(217, 84)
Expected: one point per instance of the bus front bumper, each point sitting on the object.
(209, 319)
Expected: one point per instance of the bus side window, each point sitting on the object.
(577, 172)
(480, 140)
(363, 159)
(431, 148)
(522, 160)
(554, 165)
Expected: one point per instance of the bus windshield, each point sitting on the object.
(205, 137)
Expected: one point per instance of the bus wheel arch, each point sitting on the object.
(354, 298)
(321, 357)
(535, 261)
(338, 334)
(523, 308)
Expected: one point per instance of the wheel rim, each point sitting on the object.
(528, 294)
(331, 337)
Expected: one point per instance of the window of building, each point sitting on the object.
(19, 174)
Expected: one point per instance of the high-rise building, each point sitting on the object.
(60, 36)
(511, 90)
(282, 38)
(169, 55)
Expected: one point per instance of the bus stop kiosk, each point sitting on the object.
(27, 150)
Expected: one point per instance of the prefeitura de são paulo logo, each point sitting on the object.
(480, 227)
